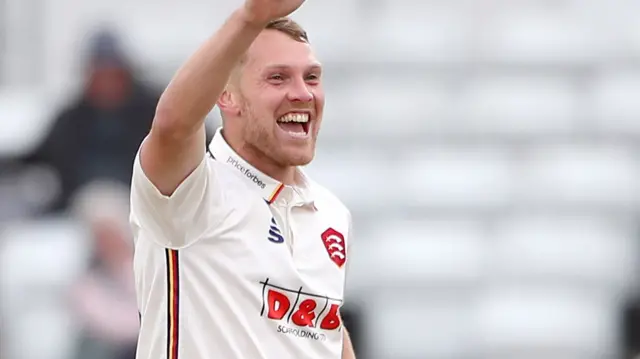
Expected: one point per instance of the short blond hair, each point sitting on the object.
(284, 25)
(290, 28)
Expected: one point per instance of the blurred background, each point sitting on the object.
(488, 150)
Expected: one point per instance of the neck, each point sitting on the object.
(261, 162)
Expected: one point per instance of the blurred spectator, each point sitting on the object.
(97, 135)
(104, 298)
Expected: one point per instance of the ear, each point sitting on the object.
(228, 103)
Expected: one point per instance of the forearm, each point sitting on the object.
(198, 84)
(347, 347)
(176, 143)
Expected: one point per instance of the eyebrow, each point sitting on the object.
(314, 67)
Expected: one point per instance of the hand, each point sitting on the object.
(260, 12)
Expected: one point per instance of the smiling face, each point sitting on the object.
(273, 106)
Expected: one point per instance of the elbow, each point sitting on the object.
(165, 122)
(170, 124)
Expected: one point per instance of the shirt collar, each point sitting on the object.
(268, 187)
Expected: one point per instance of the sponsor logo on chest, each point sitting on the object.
(300, 313)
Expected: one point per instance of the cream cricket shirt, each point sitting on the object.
(235, 265)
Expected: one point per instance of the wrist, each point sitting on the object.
(248, 18)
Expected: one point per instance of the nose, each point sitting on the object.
(299, 92)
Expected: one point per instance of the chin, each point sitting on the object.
(298, 158)
(301, 161)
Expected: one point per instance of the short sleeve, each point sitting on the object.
(181, 219)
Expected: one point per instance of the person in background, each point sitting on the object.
(103, 298)
(98, 133)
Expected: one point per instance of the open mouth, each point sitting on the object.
(295, 123)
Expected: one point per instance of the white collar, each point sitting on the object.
(270, 188)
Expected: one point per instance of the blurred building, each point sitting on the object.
(487, 149)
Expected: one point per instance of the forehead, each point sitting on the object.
(274, 48)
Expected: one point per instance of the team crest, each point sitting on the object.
(335, 245)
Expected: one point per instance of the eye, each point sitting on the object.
(313, 78)
(276, 77)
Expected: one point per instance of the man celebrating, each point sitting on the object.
(239, 255)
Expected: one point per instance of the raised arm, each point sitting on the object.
(176, 143)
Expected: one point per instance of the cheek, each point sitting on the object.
(318, 93)
(266, 101)
(319, 97)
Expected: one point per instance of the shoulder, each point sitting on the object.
(230, 181)
(326, 199)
